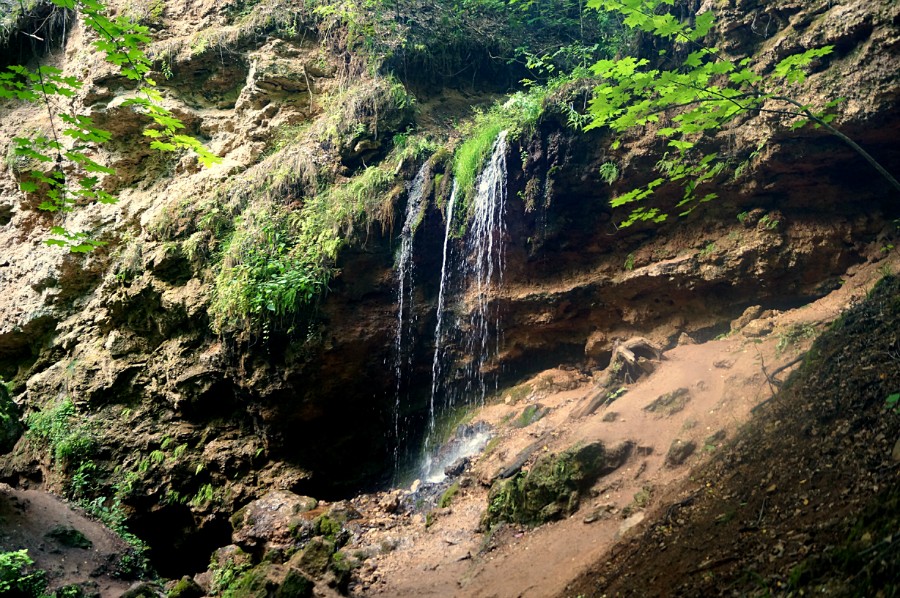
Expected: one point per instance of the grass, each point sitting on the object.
(277, 262)
(447, 496)
(793, 335)
(517, 115)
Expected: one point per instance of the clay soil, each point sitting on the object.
(70, 547)
(774, 486)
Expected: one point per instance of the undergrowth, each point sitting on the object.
(71, 440)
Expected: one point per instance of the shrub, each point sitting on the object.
(16, 576)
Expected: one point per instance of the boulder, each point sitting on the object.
(679, 451)
(552, 487)
(272, 521)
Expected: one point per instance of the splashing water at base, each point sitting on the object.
(481, 272)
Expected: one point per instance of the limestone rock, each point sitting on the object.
(669, 403)
(271, 521)
(750, 314)
(551, 488)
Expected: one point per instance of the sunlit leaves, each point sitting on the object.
(702, 94)
(792, 68)
(62, 167)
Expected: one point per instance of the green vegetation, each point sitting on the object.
(517, 115)
(793, 335)
(226, 573)
(277, 263)
(529, 415)
(702, 94)
(549, 490)
(10, 426)
(72, 442)
(892, 402)
(66, 172)
(71, 439)
(17, 578)
(447, 497)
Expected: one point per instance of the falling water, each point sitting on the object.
(415, 207)
(438, 330)
(485, 266)
(481, 270)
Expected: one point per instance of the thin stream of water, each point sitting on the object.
(415, 207)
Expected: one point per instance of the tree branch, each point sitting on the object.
(855, 146)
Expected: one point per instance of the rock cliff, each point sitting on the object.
(294, 100)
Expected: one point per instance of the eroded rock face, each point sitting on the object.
(271, 522)
(125, 331)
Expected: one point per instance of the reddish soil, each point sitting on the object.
(446, 553)
(32, 519)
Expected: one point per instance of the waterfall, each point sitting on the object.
(485, 266)
(415, 207)
(480, 269)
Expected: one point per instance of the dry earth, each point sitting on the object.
(447, 553)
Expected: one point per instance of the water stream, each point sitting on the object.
(471, 275)
(479, 270)
(406, 315)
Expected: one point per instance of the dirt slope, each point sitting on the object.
(805, 502)
(72, 548)
(447, 553)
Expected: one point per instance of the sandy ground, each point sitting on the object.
(725, 379)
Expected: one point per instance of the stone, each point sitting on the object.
(314, 558)
(685, 339)
(669, 403)
(295, 585)
(271, 522)
(630, 523)
(390, 502)
(142, 589)
(750, 314)
(895, 454)
(551, 488)
(343, 511)
(186, 588)
(758, 328)
(457, 467)
(69, 536)
(679, 452)
(597, 345)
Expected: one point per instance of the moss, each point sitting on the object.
(185, 588)
(447, 496)
(549, 490)
(315, 558)
(327, 527)
(69, 536)
(10, 424)
(251, 584)
(518, 114)
(295, 585)
(529, 415)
